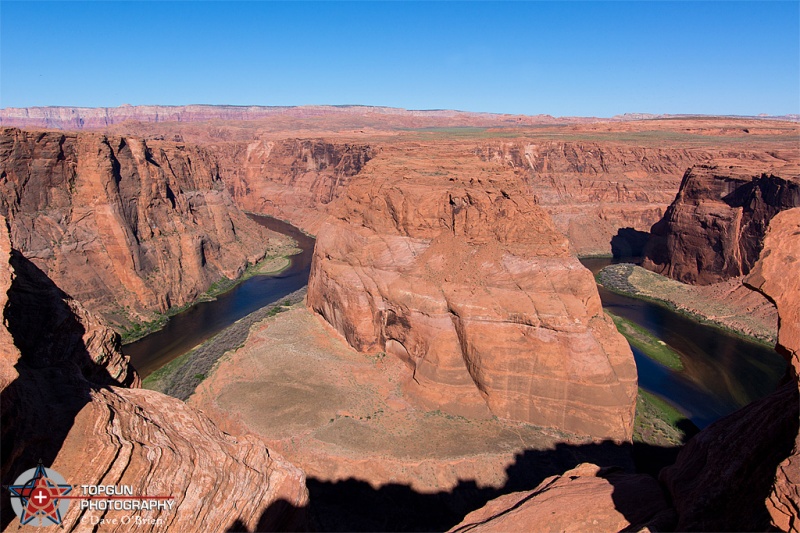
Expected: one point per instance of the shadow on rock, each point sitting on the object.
(354, 505)
(56, 374)
(629, 243)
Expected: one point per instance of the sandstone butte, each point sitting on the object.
(61, 373)
(441, 260)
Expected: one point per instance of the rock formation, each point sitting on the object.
(777, 276)
(61, 404)
(293, 179)
(714, 229)
(595, 189)
(586, 498)
(124, 226)
(77, 118)
(723, 476)
(453, 270)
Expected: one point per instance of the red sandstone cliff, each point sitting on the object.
(124, 226)
(714, 229)
(594, 189)
(59, 371)
(735, 474)
(453, 270)
(292, 179)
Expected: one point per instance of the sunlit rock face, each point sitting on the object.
(439, 260)
(125, 226)
(715, 227)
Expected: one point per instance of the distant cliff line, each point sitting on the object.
(70, 118)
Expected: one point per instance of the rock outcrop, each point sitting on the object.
(735, 474)
(62, 404)
(597, 192)
(586, 498)
(714, 229)
(777, 276)
(126, 227)
(453, 270)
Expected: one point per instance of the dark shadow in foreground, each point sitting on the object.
(56, 374)
(354, 505)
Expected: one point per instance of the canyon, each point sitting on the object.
(71, 400)
(446, 305)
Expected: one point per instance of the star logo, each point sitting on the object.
(38, 495)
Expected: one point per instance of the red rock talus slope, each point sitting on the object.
(439, 259)
(125, 227)
(60, 404)
(713, 230)
(777, 276)
(586, 498)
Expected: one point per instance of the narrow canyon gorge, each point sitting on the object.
(451, 366)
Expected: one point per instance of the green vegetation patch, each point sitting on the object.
(153, 381)
(647, 343)
(658, 423)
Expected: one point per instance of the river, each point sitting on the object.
(721, 372)
(202, 321)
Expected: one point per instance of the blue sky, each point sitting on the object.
(562, 58)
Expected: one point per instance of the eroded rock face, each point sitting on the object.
(714, 229)
(60, 369)
(586, 498)
(456, 273)
(125, 227)
(605, 193)
(292, 179)
(735, 474)
(777, 276)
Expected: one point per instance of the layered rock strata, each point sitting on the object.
(293, 179)
(60, 371)
(454, 271)
(714, 228)
(777, 276)
(126, 227)
(595, 189)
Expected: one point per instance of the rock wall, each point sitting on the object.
(777, 276)
(61, 404)
(714, 228)
(595, 189)
(457, 273)
(124, 226)
(292, 179)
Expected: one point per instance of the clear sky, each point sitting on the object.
(562, 58)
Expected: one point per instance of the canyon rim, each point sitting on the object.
(451, 364)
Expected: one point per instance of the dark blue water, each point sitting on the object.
(204, 320)
(722, 372)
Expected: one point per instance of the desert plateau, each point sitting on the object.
(453, 312)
